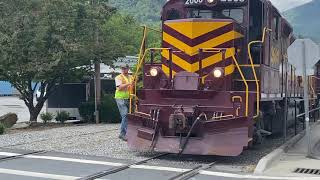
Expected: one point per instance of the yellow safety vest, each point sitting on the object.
(123, 94)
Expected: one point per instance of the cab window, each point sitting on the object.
(173, 14)
(235, 14)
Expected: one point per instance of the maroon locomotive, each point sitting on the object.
(221, 81)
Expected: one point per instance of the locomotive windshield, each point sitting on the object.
(235, 14)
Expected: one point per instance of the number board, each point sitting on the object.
(205, 2)
(194, 2)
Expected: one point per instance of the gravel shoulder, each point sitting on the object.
(102, 140)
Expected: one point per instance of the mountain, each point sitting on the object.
(304, 20)
(146, 11)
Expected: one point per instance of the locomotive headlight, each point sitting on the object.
(154, 72)
(217, 72)
(211, 1)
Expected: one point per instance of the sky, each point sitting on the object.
(283, 5)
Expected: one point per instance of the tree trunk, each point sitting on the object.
(34, 117)
(35, 111)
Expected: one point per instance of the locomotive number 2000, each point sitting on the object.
(190, 2)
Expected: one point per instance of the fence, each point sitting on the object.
(314, 114)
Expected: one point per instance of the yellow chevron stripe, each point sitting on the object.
(195, 29)
(210, 43)
(229, 69)
(195, 66)
(166, 70)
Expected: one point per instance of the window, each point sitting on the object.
(235, 14)
(200, 14)
(276, 27)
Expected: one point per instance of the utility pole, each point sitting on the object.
(306, 98)
(97, 69)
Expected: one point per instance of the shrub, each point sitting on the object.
(109, 112)
(62, 116)
(86, 111)
(46, 117)
(2, 128)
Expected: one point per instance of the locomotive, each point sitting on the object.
(221, 81)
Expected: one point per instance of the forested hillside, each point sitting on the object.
(305, 20)
(146, 11)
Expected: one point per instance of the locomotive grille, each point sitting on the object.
(307, 171)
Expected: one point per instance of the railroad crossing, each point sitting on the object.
(34, 165)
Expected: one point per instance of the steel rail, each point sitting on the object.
(20, 155)
(193, 172)
(118, 169)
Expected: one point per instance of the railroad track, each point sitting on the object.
(118, 169)
(181, 176)
(193, 172)
(6, 158)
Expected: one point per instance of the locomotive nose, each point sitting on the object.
(188, 36)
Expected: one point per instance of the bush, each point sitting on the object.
(109, 112)
(2, 128)
(62, 116)
(86, 111)
(46, 117)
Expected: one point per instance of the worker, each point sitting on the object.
(124, 83)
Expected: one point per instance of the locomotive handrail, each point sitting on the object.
(265, 30)
(140, 60)
(145, 31)
(240, 71)
(135, 77)
(245, 82)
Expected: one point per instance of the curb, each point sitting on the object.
(267, 160)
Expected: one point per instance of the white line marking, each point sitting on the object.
(158, 168)
(36, 174)
(9, 154)
(63, 159)
(74, 160)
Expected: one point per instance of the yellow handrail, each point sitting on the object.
(245, 83)
(253, 68)
(145, 31)
(240, 71)
(135, 76)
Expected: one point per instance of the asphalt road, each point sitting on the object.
(23, 165)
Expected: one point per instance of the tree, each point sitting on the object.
(49, 42)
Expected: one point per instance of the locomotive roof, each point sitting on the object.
(286, 23)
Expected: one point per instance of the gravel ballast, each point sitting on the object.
(102, 140)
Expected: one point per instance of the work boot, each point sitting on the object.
(123, 137)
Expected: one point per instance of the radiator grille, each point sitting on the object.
(307, 171)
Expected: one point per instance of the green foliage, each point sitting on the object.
(46, 117)
(53, 41)
(62, 116)
(109, 112)
(86, 111)
(2, 128)
(146, 11)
